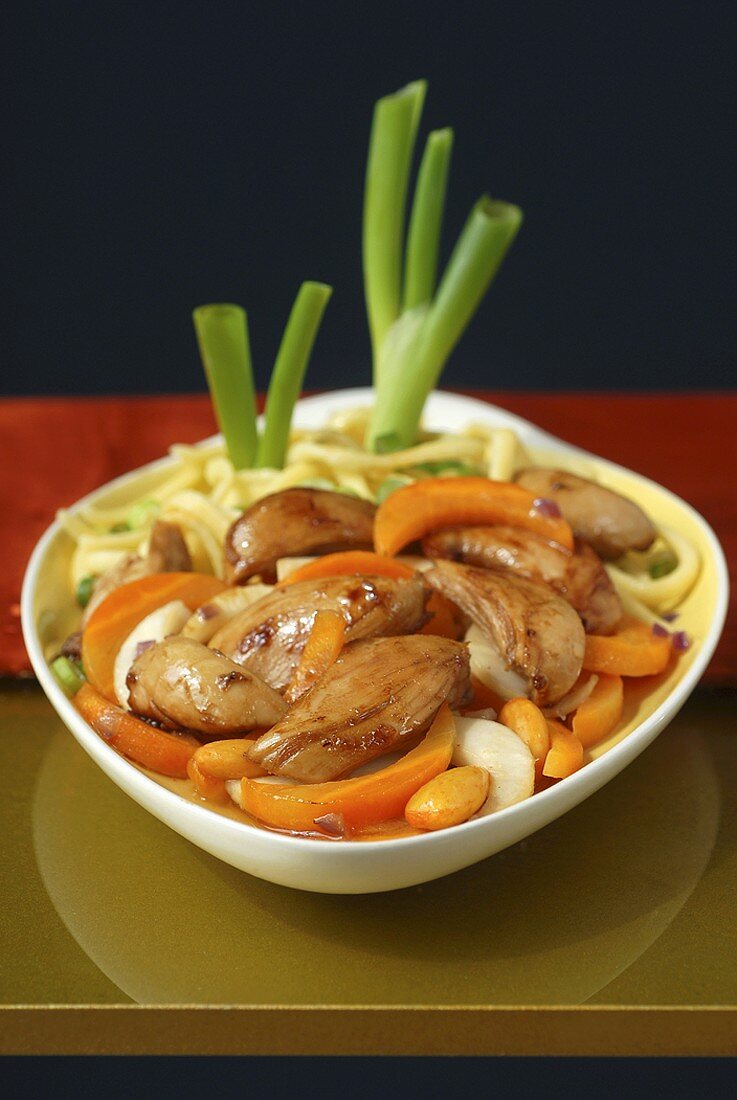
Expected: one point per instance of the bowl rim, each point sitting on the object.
(137, 781)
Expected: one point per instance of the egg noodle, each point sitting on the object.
(203, 493)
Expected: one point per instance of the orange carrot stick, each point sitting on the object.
(565, 755)
(445, 618)
(166, 753)
(599, 714)
(217, 761)
(633, 650)
(484, 697)
(354, 802)
(207, 786)
(346, 562)
(321, 650)
(125, 607)
(427, 505)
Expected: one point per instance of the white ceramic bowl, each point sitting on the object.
(345, 867)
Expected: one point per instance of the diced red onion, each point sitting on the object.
(669, 616)
(332, 824)
(142, 647)
(681, 641)
(207, 611)
(660, 631)
(546, 507)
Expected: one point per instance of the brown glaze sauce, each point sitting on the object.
(385, 830)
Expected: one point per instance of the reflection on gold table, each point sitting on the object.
(613, 930)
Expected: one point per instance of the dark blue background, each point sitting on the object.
(165, 154)
(329, 1078)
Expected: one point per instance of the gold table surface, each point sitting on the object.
(612, 930)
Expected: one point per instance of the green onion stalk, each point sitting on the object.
(413, 322)
(68, 675)
(222, 336)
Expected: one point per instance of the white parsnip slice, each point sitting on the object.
(213, 615)
(504, 755)
(162, 622)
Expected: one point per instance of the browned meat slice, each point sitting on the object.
(212, 616)
(377, 696)
(167, 549)
(579, 577)
(608, 522)
(537, 633)
(182, 684)
(292, 523)
(129, 568)
(268, 637)
(167, 553)
(72, 647)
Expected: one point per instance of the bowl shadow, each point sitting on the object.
(550, 920)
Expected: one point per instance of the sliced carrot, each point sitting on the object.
(565, 755)
(166, 753)
(346, 562)
(354, 802)
(228, 758)
(112, 622)
(446, 620)
(483, 697)
(599, 714)
(218, 761)
(529, 723)
(207, 786)
(427, 505)
(445, 617)
(632, 650)
(320, 652)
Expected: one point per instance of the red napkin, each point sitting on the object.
(61, 448)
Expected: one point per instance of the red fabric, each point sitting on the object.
(57, 449)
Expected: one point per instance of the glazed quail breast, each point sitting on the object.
(608, 522)
(537, 633)
(268, 637)
(377, 696)
(579, 577)
(181, 684)
(167, 553)
(292, 523)
(167, 550)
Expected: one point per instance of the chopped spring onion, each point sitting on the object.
(68, 675)
(448, 467)
(289, 371)
(326, 484)
(317, 483)
(119, 528)
(84, 590)
(413, 337)
(389, 486)
(222, 335)
(662, 566)
(141, 513)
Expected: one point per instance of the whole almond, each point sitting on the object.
(449, 798)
